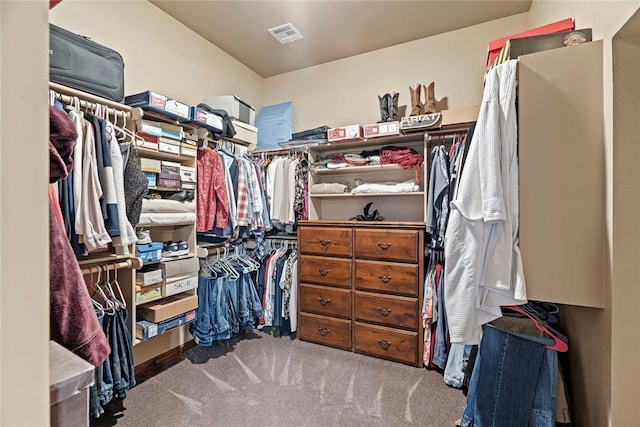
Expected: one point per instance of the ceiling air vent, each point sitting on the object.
(286, 33)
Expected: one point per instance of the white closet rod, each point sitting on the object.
(135, 263)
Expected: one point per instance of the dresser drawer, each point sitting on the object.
(325, 330)
(325, 300)
(324, 270)
(392, 344)
(389, 277)
(401, 312)
(387, 245)
(325, 241)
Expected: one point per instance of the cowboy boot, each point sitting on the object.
(384, 107)
(393, 107)
(416, 105)
(430, 100)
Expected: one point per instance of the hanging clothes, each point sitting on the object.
(73, 323)
(438, 197)
(484, 267)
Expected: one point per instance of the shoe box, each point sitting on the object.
(345, 134)
(167, 308)
(188, 177)
(420, 123)
(153, 101)
(179, 275)
(149, 277)
(146, 329)
(245, 133)
(147, 293)
(211, 122)
(381, 129)
(149, 252)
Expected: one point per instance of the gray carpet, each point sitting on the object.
(259, 380)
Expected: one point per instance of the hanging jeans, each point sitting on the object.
(456, 363)
(211, 323)
(514, 381)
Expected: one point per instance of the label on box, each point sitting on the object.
(179, 284)
(188, 185)
(345, 133)
(381, 129)
(157, 100)
(169, 148)
(176, 107)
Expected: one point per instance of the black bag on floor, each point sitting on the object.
(80, 63)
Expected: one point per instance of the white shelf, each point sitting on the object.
(360, 169)
(343, 195)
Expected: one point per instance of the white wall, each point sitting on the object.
(603, 363)
(159, 52)
(346, 91)
(24, 214)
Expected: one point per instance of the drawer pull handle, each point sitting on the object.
(384, 246)
(324, 331)
(384, 311)
(384, 344)
(324, 242)
(385, 279)
(323, 272)
(324, 301)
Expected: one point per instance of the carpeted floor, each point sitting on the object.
(259, 380)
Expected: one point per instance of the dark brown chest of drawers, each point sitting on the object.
(360, 287)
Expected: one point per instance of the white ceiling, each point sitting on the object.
(332, 29)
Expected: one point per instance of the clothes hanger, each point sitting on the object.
(117, 284)
(560, 344)
(109, 307)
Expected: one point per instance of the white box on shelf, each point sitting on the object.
(146, 278)
(169, 148)
(177, 284)
(234, 106)
(245, 132)
(180, 267)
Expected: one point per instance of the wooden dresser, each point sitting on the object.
(361, 286)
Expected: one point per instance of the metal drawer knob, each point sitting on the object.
(323, 272)
(385, 279)
(324, 242)
(384, 311)
(324, 331)
(384, 246)
(384, 344)
(324, 301)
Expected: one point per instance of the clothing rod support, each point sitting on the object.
(130, 263)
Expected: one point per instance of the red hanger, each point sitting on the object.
(559, 345)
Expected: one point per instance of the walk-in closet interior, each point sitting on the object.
(404, 213)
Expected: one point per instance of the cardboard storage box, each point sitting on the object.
(176, 284)
(523, 46)
(150, 128)
(150, 165)
(169, 183)
(345, 133)
(170, 131)
(234, 106)
(153, 101)
(245, 133)
(495, 46)
(149, 277)
(167, 308)
(169, 148)
(171, 141)
(458, 116)
(172, 168)
(188, 185)
(180, 267)
(146, 293)
(420, 123)
(188, 174)
(188, 150)
(146, 330)
(148, 141)
(381, 129)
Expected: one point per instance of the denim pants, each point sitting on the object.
(439, 356)
(514, 381)
(202, 328)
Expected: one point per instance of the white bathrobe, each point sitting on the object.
(483, 268)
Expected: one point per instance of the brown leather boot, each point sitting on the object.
(430, 100)
(416, 105)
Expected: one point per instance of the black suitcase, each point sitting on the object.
(83, 64)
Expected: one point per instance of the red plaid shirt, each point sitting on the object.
(242, 214)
